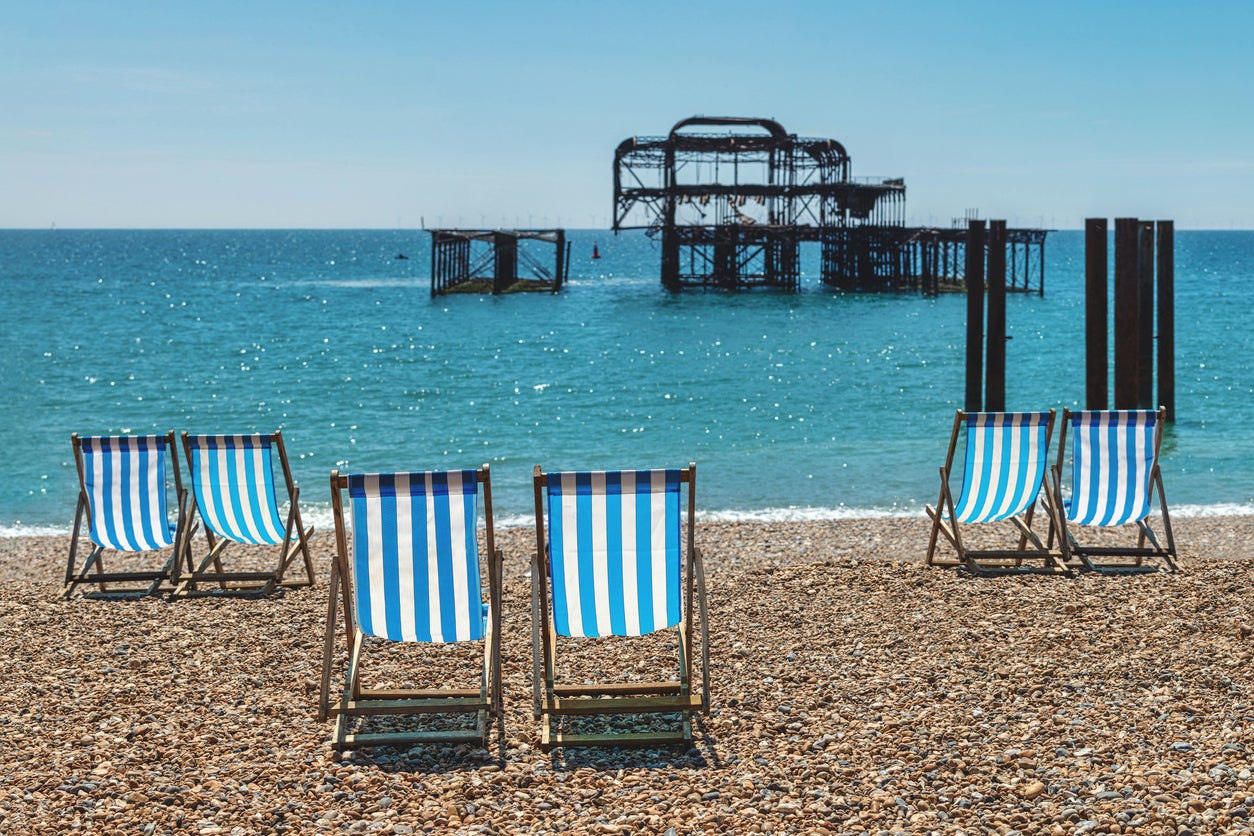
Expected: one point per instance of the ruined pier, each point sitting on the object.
(498, 260)
(735, 199)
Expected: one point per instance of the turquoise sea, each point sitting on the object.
(813, 404)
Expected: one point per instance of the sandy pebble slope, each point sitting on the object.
(856, 691)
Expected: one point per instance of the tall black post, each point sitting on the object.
(1040, 287)
(995, 380)
(1145, 315)
(975, 315)
(1096, 336)
(505, 273)
(562, 253)
(1127, 313)
(1167, 317)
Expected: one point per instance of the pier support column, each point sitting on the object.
(975, 315)
(1167, 317)
(1127, 311)
(561, 260)
(670, 259)
(1096, 334)
(506, 272)
(1145, 316)
(995, 374)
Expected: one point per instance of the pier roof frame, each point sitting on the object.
(801, 181)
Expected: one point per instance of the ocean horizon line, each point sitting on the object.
(376, 229)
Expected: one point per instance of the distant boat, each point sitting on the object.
(402, 257)
(595, 252)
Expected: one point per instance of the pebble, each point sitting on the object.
(1033, 789)
(855, 690)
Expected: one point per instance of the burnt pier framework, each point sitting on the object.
(733, 199)
(497, 260)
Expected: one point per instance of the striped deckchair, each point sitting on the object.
(234, 492)
(123, 487)
(1114, 475)
(413, 575)
(1006, 455)
(619, 559)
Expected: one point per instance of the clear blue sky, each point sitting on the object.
(381, 114)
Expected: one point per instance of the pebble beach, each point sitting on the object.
(855, 690)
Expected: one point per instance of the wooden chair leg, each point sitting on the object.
(328, 644)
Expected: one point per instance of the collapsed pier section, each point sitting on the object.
(498, 261)
(934, 260)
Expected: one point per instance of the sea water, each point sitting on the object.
(808, 404)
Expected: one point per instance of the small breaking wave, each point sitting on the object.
(1222, 509)
(321, 518)
(22, 530)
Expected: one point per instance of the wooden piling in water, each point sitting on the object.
(1096, 331)
(1138, 255)
(995, 373)
(1127, 312)
(563, 260)
(1145, 315)
(1167, 317)
(974, 273)
(506, 269)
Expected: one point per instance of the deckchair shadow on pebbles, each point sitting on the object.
(1114, 476)
(234, 494)
(617, 559)
(413, 577)
(123, 486)
(1006, 455)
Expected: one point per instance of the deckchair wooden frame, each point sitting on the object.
(1002, 561)
(1113, 559)
(553, 700)
(258, 583)
(486, 701)
(95, 558)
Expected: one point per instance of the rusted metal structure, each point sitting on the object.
(497, 260)
(933, 260)
(733, 206)
(733, 200)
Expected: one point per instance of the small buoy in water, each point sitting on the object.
(402, 256)
(595, 252)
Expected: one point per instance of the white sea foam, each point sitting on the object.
(1223, 509)
(320, 516)
(797, 514)
(20, 530)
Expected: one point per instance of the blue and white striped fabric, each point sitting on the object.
(1113, 457)
(614, 548)
(1005, 465)
(125, 478)
(415, 567)
(233, 481)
